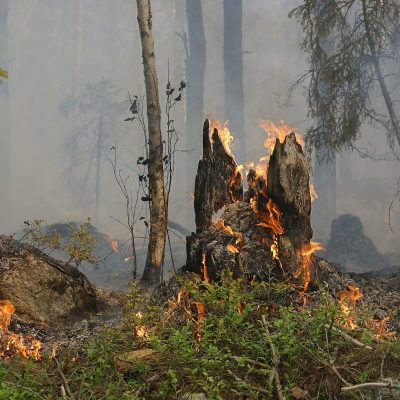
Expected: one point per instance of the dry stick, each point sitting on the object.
(348, 337)
(64, 379)
(387, 385)
(277, 380)
(251, 387)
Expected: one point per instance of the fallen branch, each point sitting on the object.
(383, 385)
(64, 379)
(251, 387)
(274, 374)
(348, 337)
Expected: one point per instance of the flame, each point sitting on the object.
(113, 243)
(220, 224)
(10, 342)
(232, 248)
(141, 331)
(224, 134)
(203, 269)
(313, 193)
(272, 218)
(306, 253)
(380, 327)
(347, 301)
(277, 132)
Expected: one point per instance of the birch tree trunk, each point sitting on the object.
(4, 108)
(158, 222)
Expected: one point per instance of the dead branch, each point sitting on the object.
(275, 358)
(384, 385)
(348, 337)
(64, 379)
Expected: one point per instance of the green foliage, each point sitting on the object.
(342, 77)
(79, 246)
(3, 74)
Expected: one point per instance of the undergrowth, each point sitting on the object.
(210, 339)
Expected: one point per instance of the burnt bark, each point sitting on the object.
(288, 185)
(218, 180)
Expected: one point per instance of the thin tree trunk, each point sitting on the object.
(4, 109)
(233, 71)
(195, 71)
(379, 74)
(158, 222)
(324, 210)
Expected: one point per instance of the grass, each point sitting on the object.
(212, 341)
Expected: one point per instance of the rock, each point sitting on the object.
(41, 288)
(350, 247)
(126, 361)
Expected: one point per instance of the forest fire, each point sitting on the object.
(380, 328)
(306, 253)
(113, 243)
(204, 271)
(12, 343)
(347, 301)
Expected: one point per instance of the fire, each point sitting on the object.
(203, 269)
(232, 248)
(306, 253)
(313, 192)
(10, 342)
(272, 218)
(277, 132)
(224, 134)
(380, 328)
(220, 224)
(347, 301)
(113, 243)
(141, 331)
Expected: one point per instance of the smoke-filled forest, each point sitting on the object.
(199, 199)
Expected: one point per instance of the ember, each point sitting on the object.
(12, 343)
(113, 244)
(347, 301)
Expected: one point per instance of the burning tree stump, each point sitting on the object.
(265, 231)
(288, 185)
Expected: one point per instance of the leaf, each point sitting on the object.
(3, 74)
(146, 223)
(179, 98)
(183, 85)
(146, 198)
(139, 160)
(129, 119)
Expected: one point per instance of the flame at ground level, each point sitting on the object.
(12, 343)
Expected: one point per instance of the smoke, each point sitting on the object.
(42, 61)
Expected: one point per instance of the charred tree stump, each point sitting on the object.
(288, 185)
(218, 180)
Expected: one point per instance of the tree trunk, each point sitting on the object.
(379, 74)
(195, 70)
(158, 222)
(4, 109)
(233, 72)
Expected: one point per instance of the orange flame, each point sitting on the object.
(272, 218)
(10, 342)
(203, 269)
(313, 193)
(220, 224)
(306, 253)
(380, 327)
(141, 331)
(223, 132)
(347, 301)
(277, 132)
(232, 248)
(113, 243)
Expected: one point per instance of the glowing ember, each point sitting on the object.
(220, 224)
(347, 301)
(224, 134)
(141, 331)
(113, 243)
(232, 248)
(10, 342)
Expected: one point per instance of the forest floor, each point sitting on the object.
(193, 339)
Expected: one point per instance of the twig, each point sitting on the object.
(62, 390)
(348, 337)
(250, 361)
(251, 387)
(277, 380)
(25, 388)
(387, 385)
(64, 379)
